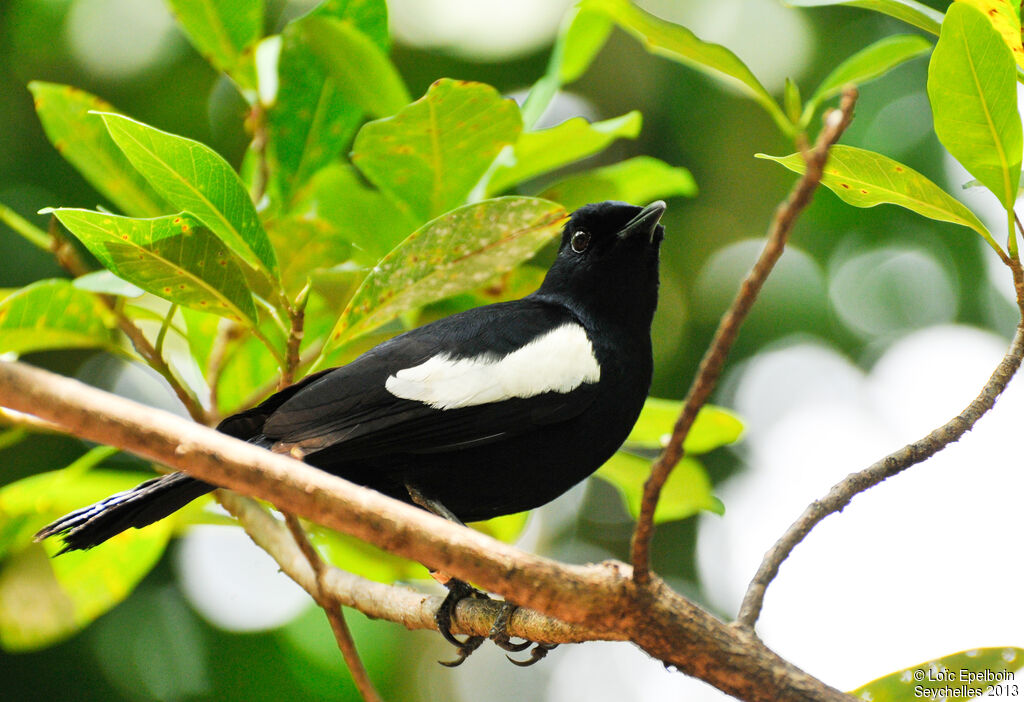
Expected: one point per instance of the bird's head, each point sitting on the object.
(607, 263)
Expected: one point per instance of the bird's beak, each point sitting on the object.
(644, 223)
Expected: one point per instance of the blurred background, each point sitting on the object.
(876, 327)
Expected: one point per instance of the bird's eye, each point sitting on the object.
(580, 241)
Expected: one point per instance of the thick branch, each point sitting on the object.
(714, 359)
(402, 605)
(855, 483)
(601, 597)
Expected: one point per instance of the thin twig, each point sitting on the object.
(335, 615)
(297, 319)
(714, 359)
(855, 483)
(306, 358)
(164, 326)
(157, 363)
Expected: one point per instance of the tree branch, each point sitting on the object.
(714, 359)
(393, 603)
(600, 598)
(335, 615)
(843, 492)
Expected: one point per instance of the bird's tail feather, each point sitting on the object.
(142, 505)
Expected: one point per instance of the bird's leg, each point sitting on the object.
(457, 589)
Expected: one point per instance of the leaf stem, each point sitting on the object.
(33, 234)
(297, 315)
(164, 327)
(1011, 237)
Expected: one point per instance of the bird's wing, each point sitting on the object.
(466, 380)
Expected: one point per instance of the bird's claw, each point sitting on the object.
(499, 630)
(499, 635)
(537, 654)
(457, 590)
(464, 649)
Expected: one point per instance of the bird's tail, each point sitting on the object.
(142, 505)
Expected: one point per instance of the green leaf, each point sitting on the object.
(449, 255)
(43, 601)
(969, 672)
(248, 367)
(1005, 18)
(362, 72)
(713, 427)
(910, 11)
(311, 122)
(193, 177)
(973, 91)
(368, 561)
(639, 180)
(173, 257)
(539, 152)
(81, 138)
(865, 179)
(367, 219)
(869, 63)
(428, 157)
(53, 314)
(687, 491)
(582, 34)
(306, 244)
(680, 44)
(224, 32)
(107, 283)
(791, 100)
(364, 559)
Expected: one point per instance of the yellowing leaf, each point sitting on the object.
(1000, 13)
(865, 179)
(53, 314)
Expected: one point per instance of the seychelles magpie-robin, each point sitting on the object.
(487, 412)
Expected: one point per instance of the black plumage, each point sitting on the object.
(478, 458)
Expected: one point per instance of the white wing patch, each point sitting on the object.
(559, 361)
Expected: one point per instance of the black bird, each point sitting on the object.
(487, 412)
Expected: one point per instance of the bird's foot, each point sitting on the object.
(457, 590)
(499, 635)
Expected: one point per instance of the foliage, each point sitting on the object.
(958, 676)
(395, 215)
(337, 231)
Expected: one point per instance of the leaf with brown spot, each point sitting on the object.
(498, 234)
(423, 159)
(173, 257)
(881, 180)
